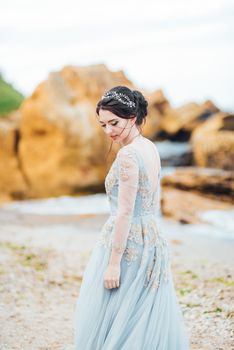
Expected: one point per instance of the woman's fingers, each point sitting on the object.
(112, 276)
(109, 284)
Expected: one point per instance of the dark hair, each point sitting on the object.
(123, 110)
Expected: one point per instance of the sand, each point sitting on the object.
(42, 261)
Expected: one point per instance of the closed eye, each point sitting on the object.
(114, 124)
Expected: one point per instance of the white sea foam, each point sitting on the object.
(65, 205)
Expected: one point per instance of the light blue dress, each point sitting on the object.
(143, 313)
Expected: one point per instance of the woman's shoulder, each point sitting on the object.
(153, 145)
(127, 155)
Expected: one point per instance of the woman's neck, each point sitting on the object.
(131, 139)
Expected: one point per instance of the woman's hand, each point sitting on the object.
(112, 276)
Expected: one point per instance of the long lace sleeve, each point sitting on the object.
(128, 170)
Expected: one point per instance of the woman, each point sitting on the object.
(127, 299)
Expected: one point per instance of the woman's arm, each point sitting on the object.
(128, 184)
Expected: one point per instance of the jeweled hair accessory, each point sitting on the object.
(120, 97)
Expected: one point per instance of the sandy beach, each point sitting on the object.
(42, 261)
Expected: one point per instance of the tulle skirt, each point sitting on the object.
(137, 315)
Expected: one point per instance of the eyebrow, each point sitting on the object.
(108, 122)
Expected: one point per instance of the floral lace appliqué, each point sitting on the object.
(125, 164)
(130, 254)
(159, 269)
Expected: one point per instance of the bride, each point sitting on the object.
(127, 299)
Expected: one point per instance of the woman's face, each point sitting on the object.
(115, 127)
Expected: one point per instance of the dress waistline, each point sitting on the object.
(138, 216)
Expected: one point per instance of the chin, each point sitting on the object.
(115, 139)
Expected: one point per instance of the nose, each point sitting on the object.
(108, 130)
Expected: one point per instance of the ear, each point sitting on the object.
(133, 119)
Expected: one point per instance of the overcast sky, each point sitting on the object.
(184, 47)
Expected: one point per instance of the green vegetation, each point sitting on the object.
(26, 257)
(228, 283)
(10, 98)
(191, 305)
(12, 246)
(217, 309)
(34, 261)
(189, 273)
(184, 291)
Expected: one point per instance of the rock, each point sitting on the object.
(157, 105)
(62, 148)
(212, 183)
(185, 206)
(13, 183)
(178, 123)
(213, 142)
(190, 190)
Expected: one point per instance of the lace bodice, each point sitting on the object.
(128, 170)
(131, 199)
